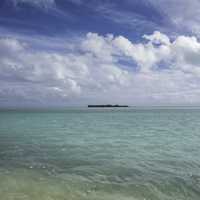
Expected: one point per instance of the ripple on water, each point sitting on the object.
(31, 184)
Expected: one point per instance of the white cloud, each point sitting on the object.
(183, 14)
(159, 71)
(39, 3)
(171, 16)
(157, 38)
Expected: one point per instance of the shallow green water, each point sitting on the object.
(139, 154)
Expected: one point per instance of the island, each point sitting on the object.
(107, 106)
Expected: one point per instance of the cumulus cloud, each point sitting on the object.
(103, 69)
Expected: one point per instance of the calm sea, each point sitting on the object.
(100, 154)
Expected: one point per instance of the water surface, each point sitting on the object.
(101, 154)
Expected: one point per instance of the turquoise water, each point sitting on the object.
(100, 154)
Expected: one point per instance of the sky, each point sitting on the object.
(78, 52)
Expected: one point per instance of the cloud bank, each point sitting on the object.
(102, 69)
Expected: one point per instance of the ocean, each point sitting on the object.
(100, 154)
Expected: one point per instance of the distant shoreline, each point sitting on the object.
(107, 106)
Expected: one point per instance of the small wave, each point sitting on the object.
(34, 185)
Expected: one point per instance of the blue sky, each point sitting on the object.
(64, 17)
(76, 52)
